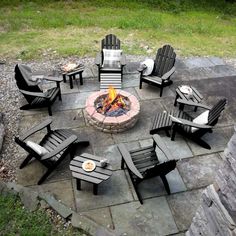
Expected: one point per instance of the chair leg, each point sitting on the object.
(99, 75)
(59, 95)
(200, 142)
(173, 132)
(161, 90)
(64, 78)
(26, 161)
(81, 78)
(49, 110)
(140, 84)
(138, 194)
(167, 132)
(44, 177)
(166, 184)
(122, 163)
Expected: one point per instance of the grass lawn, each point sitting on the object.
(32, 29)
(15, 220)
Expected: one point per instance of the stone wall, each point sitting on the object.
(217, 212)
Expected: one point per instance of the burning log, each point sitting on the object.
(113, 104)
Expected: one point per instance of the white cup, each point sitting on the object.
(104, 162)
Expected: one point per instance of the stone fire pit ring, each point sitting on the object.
(112, 124)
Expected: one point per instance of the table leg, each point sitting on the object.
(64, 78)
(81, 78)
(95, 189)
(71, 81)
(78, 184)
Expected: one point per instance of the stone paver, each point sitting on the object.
(199, 171)
(102, 216)
(183, 207)
(111, 192)
(116, 205)
(134, 219)
(152, 92)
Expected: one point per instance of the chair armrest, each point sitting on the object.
(141, 68)
(98, 59)
(52, 78)
(168, 74)
(36, 128)
(190, 103)
(123, 60)
(161, 145)
(128, 160)
(189, 123)
(60, 147)
(34, 94)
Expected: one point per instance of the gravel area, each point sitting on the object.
(10, 99)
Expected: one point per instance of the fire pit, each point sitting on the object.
(112, 111)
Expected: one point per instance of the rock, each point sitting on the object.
(3, 187)
(29, 198)
(61, 209)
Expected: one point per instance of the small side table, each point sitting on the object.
(72, 75)
(196, 97)
(97, 176)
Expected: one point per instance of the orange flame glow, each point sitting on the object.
(111, 93)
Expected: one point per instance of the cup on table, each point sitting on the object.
(104, 162)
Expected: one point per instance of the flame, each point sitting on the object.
(113, 101)
(111, 93)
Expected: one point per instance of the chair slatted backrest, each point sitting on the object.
(215, 111)
(165, 60)
(110, 42)
(22, 76)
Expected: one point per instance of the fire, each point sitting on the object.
(111, 93)
(113, 102)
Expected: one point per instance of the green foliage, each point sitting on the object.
(15, 220)
(28, 28)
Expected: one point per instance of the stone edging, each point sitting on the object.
(112, 124)
(31, 199)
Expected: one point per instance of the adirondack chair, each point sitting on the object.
(143, 164)
(110, 63)
(34, 95)
(54, 146)
(162, 71)
(192, 128)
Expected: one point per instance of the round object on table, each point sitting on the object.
(89, 165)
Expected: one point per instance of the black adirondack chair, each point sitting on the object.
(182, 122)
(143, 163)
(35, 97)
(162, 71)
(110, 42)
(58, 143)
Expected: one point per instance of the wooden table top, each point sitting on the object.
(98, 175)
(196, 96)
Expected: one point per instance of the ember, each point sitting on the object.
(112, 104)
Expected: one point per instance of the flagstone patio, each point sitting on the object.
(116, 206)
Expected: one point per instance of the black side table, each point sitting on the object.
(72, 75)
(97, 176)
(196, 97)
